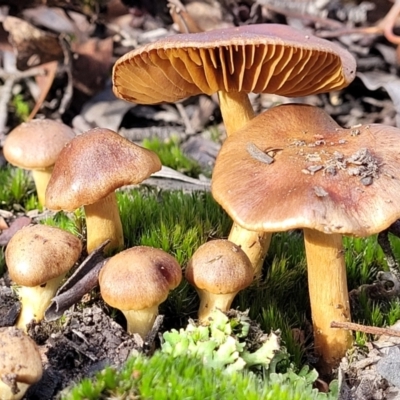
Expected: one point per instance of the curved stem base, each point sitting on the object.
(140, 321)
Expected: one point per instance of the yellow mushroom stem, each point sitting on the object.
(329, 296)
(41, 178)
(35, 300)
(140, 321)
(103, 222)
(236, 111)
(211, 301)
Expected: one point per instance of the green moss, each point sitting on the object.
(172, 156)
(164, 377)
(17, 189)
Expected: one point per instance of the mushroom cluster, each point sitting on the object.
(233, 62)
(294, 167)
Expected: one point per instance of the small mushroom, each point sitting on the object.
(233, 62)
(38, 257)
(218, 270)
(87, 173)
(35, 146)
(136, 281)
(327, 204)
(20, 363)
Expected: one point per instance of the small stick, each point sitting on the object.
(373, 330)
(258, 154)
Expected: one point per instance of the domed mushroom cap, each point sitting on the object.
(20, 360)
(138, 278)
(262, 58)
(37, 143)
(95, 164)
(38, 253)
(219, 267)
(293, 167)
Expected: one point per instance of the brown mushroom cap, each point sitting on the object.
(39, 253)
(263, 58)
(322, 176)
(19, 357)
(37, 143)
(138, 278)
(94, 165)
(219, 267)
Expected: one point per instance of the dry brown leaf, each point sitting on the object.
(92, 64)
(44, 83)
(15, 226)
(33, 46)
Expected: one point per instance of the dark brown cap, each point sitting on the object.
(138, 278)
(95, 164)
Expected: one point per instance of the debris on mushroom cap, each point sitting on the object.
(20, 363)
(138, 278)
(219, 267)
(39, 253)
(37, 143)
(94, 164)
(322, 176)
(262, 58)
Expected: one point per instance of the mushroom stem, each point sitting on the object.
(41, 178)
(103, 222)
(236, 110)
(254, 244)
(140, 321)
(35, 300)
(329, 297)
(211, 301)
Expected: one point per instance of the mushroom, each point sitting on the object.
(20, 363)
(294, 167)
(218, 269)
(35, 146)
(38, 257)
(136, 281)
(262, 58)
(87, 173)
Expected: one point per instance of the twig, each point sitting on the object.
(66, 99)
(384, 27)
(373, 330)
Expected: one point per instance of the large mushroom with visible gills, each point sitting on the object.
(35, 146)
(294, 167)
(233, 62)
(87, 173)
(38, 257)
(136, 281)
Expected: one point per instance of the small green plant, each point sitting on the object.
(172, 156)
(21, 107)
(17, 188)
(224, 343)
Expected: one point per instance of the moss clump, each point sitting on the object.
(165, 377)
